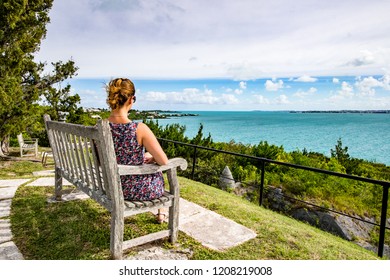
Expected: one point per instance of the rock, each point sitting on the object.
(226, 180)
(322, 220)
(353, 228)
(346, 227)
(276, 200)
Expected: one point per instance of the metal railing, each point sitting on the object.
(385, 184)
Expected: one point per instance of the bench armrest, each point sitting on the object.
(152, 168)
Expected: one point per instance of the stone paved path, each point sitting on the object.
(8, 249)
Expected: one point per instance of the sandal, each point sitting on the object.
(161, 218)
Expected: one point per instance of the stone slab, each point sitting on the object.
(7, 193)
(46, 182)
(44, 173)
(211, 229)
(5, 231)
(13, 182)
(5, 208)
(75, 195)
(9, 251)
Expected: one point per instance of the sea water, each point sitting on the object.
(365, 134)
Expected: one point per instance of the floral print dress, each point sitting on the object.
(129, 152)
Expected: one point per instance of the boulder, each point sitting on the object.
(226, 180)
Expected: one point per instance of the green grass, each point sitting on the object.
(23, 168)
(80, 229)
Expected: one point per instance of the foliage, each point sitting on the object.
(58, 98)
(22, 28)
(22, 82)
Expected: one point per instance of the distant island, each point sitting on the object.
(345, 111)
(97, 113)
(161, 114)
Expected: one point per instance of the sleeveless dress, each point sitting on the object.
(129, 152)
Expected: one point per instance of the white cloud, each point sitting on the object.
(365, 58)
(346, 90)
(335, 80)
(228, 99)
(259, 99)
(191, 96)
(386, 80)
(194, 39)
(302, 94)
(367, 85)
(238, 91)
(282, 99)
(306, 79)
(156, 96)
(239, 70)
(273, 86)
(242, 85)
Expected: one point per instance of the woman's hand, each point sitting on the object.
(148, 158)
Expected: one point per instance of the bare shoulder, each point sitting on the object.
(142, 127)
(143, 132)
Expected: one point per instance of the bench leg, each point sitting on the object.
(174, 222)
(58, 185)
(116, 238)
(174, 209)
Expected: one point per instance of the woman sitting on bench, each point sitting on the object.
(130, 141)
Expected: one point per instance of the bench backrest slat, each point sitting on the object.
(82, 163)
(20, 139)
(96, 169)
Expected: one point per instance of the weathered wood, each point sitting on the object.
(27, 145)
(85, 156)
(145, 239)
(174, 210)
(57, 183)
(152, 168)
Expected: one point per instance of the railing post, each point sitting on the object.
(262, 183)
(193, 164)
(382, 229)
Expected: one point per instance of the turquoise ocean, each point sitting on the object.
(367, 135)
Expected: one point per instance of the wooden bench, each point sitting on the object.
(85, 156)
(27, 145)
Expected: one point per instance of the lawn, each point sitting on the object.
(80, 229)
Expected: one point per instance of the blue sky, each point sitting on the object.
(299, 93)
(232, 55)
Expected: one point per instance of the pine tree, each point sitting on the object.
(22, 28)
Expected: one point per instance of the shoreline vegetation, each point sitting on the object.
(136, 114)
(166, 114)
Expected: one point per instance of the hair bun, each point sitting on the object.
(119, 91)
